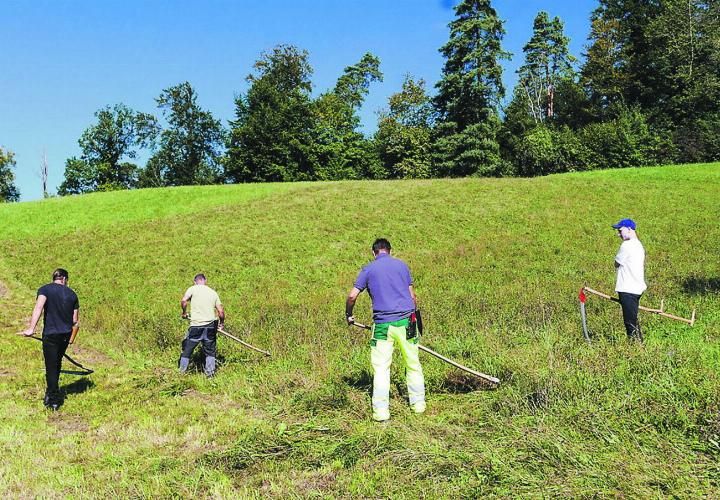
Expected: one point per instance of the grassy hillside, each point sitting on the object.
(497, 265)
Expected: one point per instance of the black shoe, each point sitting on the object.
(52, 407)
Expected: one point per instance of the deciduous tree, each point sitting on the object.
(8, 190)
(404, 131)
(117, 135)
(271, 135)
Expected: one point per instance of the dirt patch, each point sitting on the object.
(5, 372)
(315, 483)
(3, 290)
(66, 424)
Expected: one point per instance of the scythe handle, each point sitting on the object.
(483, 376)
(249, 346)
(659, 312)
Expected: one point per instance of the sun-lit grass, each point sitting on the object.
(497, 265)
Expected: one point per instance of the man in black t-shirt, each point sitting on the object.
(60, 305)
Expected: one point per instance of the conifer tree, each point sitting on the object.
(469, 93)
(547, 63)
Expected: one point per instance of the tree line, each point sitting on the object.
(646, 93)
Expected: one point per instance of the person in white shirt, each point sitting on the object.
(630, 284)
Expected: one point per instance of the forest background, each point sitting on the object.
(645, 92)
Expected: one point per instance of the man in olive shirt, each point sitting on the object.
(60, 307)
(204, 303)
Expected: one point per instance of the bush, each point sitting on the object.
(699, 141)
(545, 150)
(626, 141)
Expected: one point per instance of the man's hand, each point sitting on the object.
(350, 320)
(221, 326)
(184, 315)
(27, 333)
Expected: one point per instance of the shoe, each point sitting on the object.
(52, 407)
(380, 418)
(419, 407)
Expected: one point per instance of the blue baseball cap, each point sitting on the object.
(625, 223)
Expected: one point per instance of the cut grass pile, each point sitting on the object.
(497, 265)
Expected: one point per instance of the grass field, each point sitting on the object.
(497, 265)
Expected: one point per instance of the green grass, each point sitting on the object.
(497, 265)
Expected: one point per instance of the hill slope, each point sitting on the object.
(497, 265)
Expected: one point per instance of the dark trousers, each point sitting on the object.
(54, 346)
(630, 305)
(207, 337)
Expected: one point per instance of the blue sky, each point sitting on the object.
(61, 60)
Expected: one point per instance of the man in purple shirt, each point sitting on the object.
(390, 286)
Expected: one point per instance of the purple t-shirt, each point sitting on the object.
(387, 280)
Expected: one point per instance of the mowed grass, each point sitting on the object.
(497, 265)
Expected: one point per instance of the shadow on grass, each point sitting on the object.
(362, 381)
(463, 383)
(78, 387)
(197, 362)
(695, 285)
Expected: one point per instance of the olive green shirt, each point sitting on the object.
(203, 301)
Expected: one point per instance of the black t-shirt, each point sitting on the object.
(59, 306)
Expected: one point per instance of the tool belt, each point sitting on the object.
(415, 328)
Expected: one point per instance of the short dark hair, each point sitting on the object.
(59, 273)
(381, 244)
(199, 276)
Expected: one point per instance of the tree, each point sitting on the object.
(404, 131)
(118, 133)
(339, 150)
(8, 190)
(190, 147)
(661, 57)
(270, 137)
(469, 92)
(547, 93)
(43, 174)
(619, 68)
(547, 63)
(684, 43)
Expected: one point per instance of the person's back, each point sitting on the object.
(203, 301)
(61, 301)
(388, 280)
(59, 306)
(390, 286)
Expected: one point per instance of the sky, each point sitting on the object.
(62, 60)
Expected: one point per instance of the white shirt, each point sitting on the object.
(631, 270)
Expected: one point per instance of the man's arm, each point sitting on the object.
(412, 295)
(184, 303)
(39, 304)
(221, 316)
(76, 317)
(350, 305)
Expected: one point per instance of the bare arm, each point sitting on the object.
(221, 315)
(412, 295)
(184, 303)
(350, 305)
(76, 317)
(39, 304)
